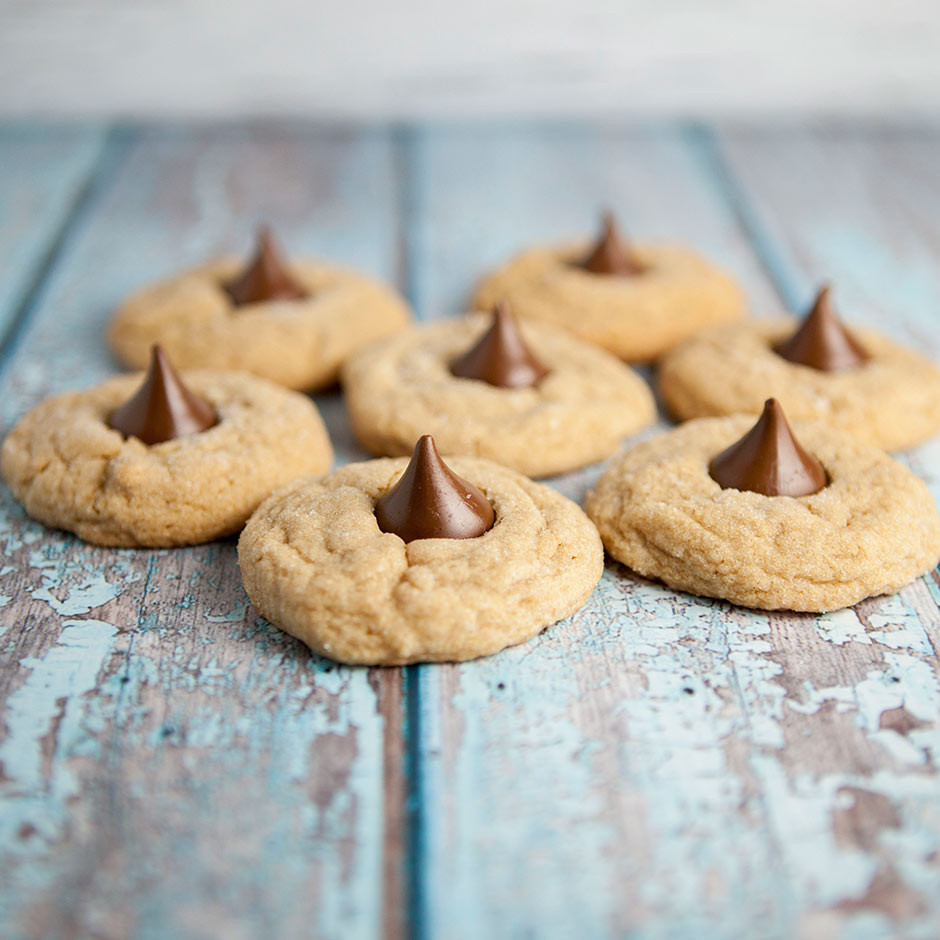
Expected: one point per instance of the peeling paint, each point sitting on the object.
(658, 765)
(36, 789)
(73, 587)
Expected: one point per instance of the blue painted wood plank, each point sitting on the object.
(661, 765)
(855, 208)
(657, 764)
(859, 208)
(173, 765)
(473, 206)
(44, 172)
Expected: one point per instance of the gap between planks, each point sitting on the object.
(398, 690)
(389, 685)
(703, 142)
(115, 147)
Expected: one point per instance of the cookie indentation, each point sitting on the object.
(316, 563)
(822, 342)
(266, 277)
(611, 255)
(429, 501)
(769, 460)
(871, 530)
(163, 407)
(501, 357)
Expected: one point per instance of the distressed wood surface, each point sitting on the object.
(656, 766)
(172, 766)
(663, 765)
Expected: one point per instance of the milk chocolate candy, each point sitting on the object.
(265, 278)
(163, 407)
(501, 357)
(822, 342)
(769, 460)
(429, 501)
(610, 255)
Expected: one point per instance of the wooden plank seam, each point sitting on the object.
(117, 143)
(704, 144)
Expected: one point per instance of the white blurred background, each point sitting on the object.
(411, 58)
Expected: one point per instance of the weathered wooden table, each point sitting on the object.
(657, 766)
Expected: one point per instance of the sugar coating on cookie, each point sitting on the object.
(872, 530)
(892, 400)
(71, 470)
(578, 413)
(636, 317)
(315, 563)
(299, 343)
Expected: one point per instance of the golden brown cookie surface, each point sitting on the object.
(72, 471)
(892, 400)
(315, 563)
(872, 530)
(298, 343)
(402, 387)
(635, 317)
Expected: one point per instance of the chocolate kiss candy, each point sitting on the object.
(501, 357)
(822, 342)
(265, 278)
(163, 407)
(610, 255)
(430, 501)
(769, 460)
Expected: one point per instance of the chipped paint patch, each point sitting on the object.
(842, 626)
(235, 615)
(36, 766)
(72, 584)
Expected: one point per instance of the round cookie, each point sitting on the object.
(315, 563)
(892, 400)
(71, 470)
(579, 413)
(635, 316)
(299, 342)
(871, 530)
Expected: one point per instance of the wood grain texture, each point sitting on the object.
(661, 765)
(173, 765)
(43, 174)
(656, 766)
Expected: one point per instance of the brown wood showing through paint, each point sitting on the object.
(656, 765)
(171, 762)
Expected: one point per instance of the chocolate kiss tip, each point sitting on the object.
(501, 357)
(610, 255)
(266, 276)
(163, 407)
(822, 342)
(769, 460)
(430, 501)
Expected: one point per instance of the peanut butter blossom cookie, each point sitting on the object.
(390, 561)
(636, 300)
(858, 381)
(538, 400)
(749, 513)
(163, 459)
(293, 323)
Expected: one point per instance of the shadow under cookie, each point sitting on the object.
(316, 563)
(72, 469)
(872, 529)
(581, 403)
(214, 316)
(673, 293)
(891, 400)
